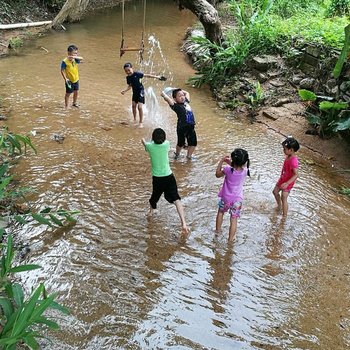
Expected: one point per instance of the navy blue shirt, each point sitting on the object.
(135, 80)
(184, 114)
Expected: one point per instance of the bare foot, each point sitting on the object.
(150, 212)
(140, 125)
(185, 230)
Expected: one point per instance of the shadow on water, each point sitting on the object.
(132, 283)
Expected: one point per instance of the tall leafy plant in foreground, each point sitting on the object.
(22, 319)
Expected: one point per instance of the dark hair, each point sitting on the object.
(239, 157)
(175, 91)
(127, 65)
(158, 136)
(291, 142)
(72, 48)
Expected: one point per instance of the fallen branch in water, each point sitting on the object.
(24, 25)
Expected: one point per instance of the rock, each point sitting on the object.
(59, 138)
(277, 83)
(308, 69)
(264, 63)
(313, 51)
(344, 86)
(307, 83)
(281, 102)
(311, 60)
(2, 117)
(221, 105)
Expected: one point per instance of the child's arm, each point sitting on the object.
(159, 77)
(143, 141)
(125, 90)
(168, 99)
(187, 95)
(76, 57)
(293, 178)
(63, 73)
(219, 172)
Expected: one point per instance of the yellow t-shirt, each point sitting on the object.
(71, 68)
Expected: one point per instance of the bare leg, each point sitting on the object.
(284, 203)
(150, 212)
(66, 100)
(75, 97)
(133, 106)
(233, 229)
(190, 151)
(181, 212)
(140, 109)
(178, 150)
(219, 219)
(276, 193)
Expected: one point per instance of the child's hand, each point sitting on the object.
(284, 185)
(227, 160)
(122, 92)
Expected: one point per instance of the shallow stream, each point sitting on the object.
(131, 283)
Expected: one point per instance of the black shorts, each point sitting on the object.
(138, 96)
(166, 185)
(186, 133)
(71, 87)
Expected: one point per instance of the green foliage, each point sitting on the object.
(345, 191)
(330, 117)
(338, 8)
(344, 53)
(307, 95)
(22, 320)
(13, 144)
(15, 43)
(257, 97)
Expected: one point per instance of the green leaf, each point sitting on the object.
(326, 105)
(3, 168)
(51, 324)
(307, 95)
(56, 220)
(344, 53)
(56, 306)
(18, 294)
(313, 119)
(12, 138)
(20, 219)
(6, 306)
(40, 219)
(342, 125)
(45, 211)
(23, 268)
(31, 341)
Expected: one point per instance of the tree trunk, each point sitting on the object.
(71, 11)
(207, 15)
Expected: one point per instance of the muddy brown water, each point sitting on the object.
(132, 283)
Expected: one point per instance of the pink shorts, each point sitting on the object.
(234, 208)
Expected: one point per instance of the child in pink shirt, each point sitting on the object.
(231, 192)
(289, 174)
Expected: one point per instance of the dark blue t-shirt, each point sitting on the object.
(135, 80)
(184, 114)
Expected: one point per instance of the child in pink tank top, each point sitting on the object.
(289, 174)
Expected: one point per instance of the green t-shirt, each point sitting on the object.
(159, 158)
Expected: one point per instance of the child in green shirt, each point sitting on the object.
(163, 180)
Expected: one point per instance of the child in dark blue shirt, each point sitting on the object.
(134, 82)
